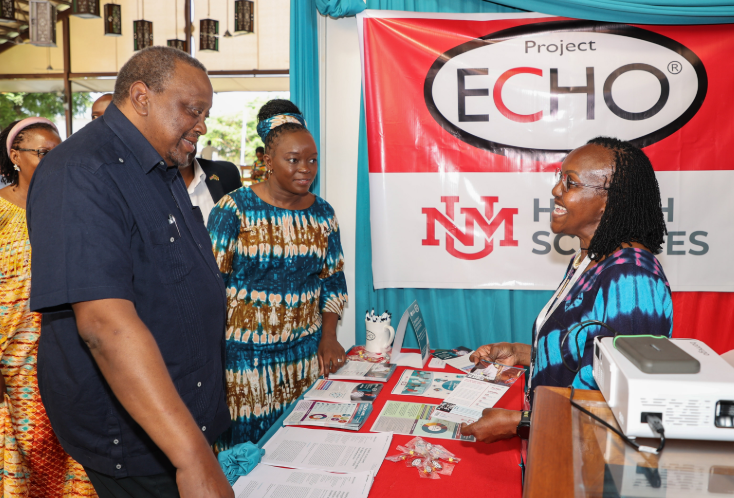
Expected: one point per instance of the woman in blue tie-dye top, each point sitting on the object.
(607, 195)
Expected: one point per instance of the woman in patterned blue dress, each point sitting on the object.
(607, 195)
(278, 248)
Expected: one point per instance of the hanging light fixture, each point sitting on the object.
(244, 17)
(208, 33)
(42, 16)
(176, 43)
(7, 11)
(112, 20)
(142, 32)
(87, 9)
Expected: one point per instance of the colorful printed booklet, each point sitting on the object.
(447, 354)
(359, 370)
(477, 391)
(430, 384)
(342, 392)
(415, 419)
(350, 416)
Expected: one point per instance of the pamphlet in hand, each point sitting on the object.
(429, 384)
(477, 391)
(350, 416)
(416, 419)
(358, 370)
(342, 392)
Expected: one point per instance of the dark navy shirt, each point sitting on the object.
(108, 219)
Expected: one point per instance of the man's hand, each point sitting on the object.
(495, 424)
(507, 353)
(202, 479)
(331, 353)
(128, 357)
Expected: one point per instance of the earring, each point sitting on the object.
(270, 172)
(16, 167)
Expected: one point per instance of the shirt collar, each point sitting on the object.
(199, 176)
(136, 143)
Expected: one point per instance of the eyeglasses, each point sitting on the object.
(39, 152)
(565, 182)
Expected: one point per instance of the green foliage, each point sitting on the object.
(225, 132)
(253, 139)
(14, 106)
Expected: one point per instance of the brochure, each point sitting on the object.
(447, 354)
(415, 360)
(477, 391)
(350, 416)
(415, 419)
(430, 384)
(342, 392)
(332, 451)
(359, 370)
(266, 481)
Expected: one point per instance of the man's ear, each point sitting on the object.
(139, 97)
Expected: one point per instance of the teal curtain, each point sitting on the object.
(633, 11)
(304, 68)
(340, 8)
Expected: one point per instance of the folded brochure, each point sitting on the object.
(342, 392)
(477, 391)
(430, 384)
(358, 370)
(350, 416)
(415, 419)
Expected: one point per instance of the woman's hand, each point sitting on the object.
(495, 424)
(331, 353)
(507, 353)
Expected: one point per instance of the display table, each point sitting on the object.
(485, 468)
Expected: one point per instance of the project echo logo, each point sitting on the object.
(551, 86)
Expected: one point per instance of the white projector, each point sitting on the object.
(691, 406)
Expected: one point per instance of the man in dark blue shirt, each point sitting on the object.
(130, 361)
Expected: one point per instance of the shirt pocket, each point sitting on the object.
(168, 254)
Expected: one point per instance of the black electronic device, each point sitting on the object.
(656, 355)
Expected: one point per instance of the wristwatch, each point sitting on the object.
(523, 428)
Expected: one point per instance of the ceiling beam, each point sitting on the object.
(250, 72)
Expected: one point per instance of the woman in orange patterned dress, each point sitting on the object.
(33, 462)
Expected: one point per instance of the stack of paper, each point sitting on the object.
(274, 482)
(357, 370)
(343, 392)
(350, 416)
(332, 451)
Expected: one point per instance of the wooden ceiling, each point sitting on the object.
(15, 33)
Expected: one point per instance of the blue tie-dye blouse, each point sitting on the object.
(628, 291)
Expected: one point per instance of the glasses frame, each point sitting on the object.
(565, 183)
(39, 152)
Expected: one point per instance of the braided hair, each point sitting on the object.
(273, 108)
(634, 210)
(7, 169)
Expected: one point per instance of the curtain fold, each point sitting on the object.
(340, 8)
(637, 11)
(304, 68)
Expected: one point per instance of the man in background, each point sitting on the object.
(99, 106)
(208, 181)
(208, 151)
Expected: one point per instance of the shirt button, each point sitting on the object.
(198, 384)
(203, 429)
(116, 441)
(118, 466)
(172, 239)
(161, 163)
(121, 160)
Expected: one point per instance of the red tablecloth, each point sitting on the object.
(485, 468)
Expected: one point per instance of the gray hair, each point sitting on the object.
(154, 66)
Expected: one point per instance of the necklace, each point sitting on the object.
(577, 261)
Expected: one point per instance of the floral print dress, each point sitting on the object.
(282, 269)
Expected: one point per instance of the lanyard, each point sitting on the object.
(551, 307)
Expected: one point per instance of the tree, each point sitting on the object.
(225, 133)
(14, 106)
